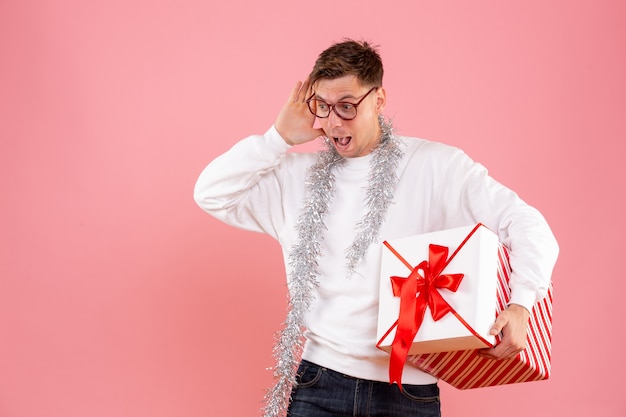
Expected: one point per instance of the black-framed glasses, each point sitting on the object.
(343, 109)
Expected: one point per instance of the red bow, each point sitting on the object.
(416, 292)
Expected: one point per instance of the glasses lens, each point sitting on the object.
(346, 110)
(319, 108)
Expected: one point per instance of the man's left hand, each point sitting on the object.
(513, 323)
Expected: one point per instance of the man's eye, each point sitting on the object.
(322, 106)
(346, 106)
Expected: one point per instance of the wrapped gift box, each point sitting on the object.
(469, 272)
(472, 253)
(465, 369)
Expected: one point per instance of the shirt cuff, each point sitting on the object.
(523, 296)
(275, 140)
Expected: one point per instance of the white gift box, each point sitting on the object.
(473, 252)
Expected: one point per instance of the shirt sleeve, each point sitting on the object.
(520, 227)
(242, 187)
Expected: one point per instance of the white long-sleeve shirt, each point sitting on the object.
(257, 185)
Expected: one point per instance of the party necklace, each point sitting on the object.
(305, 253)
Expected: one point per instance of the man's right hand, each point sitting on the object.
(295, 122)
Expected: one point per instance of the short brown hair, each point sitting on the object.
(349, 57)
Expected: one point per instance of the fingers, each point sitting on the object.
(511, 323)
(506, 349)
(498, 325)
(500, 352)
(307, 87)
(306, 90)
(294, 96)
(301, 91)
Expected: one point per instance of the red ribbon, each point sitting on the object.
(416, 292)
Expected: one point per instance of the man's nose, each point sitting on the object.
(334, 119)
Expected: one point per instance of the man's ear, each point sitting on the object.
(381, 100)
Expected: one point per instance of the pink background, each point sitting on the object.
(119, 297)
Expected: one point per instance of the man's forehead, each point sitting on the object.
(338, 88)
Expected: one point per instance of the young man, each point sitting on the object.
(331, 210)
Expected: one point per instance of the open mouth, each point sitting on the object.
(342, 142)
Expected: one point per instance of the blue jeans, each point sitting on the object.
(322, 392)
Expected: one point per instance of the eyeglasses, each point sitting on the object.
(343, 109)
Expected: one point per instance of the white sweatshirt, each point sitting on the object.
(258, 186)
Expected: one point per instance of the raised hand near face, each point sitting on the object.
(295, 122)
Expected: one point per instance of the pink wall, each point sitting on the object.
(119, 297)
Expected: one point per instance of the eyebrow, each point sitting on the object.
(348, 96)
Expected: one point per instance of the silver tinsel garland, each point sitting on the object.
(304, 255)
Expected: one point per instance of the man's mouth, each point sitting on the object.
(343, 141)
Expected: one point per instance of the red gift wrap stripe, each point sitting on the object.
(466, 370)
